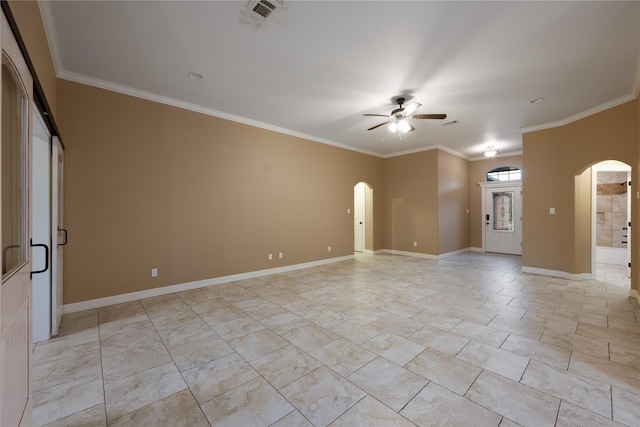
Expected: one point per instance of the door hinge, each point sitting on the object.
(629, 265)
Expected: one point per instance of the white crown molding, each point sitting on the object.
(126, 90)
(52, 35)
(497, 156)
(428, 148)
(164, 290)
(590, 112)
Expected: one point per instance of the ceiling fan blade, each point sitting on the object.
(376, 115)
(411, 107)
(429, 116)
(377, 126)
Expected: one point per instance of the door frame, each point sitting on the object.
(608, 166)
(485, 185)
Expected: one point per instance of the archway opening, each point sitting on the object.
(611, 221)
(362, 218)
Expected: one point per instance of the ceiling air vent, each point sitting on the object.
(264, 8)
(258, 11)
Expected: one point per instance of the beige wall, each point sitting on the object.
(411, 202)
(28, 18)
(453, 202)
(153, 186)
(552, 158)
(477, 173)
(197, 197)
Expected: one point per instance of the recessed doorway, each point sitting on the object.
(362, 217)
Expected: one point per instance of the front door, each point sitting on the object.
(503, 219)
(15, 290)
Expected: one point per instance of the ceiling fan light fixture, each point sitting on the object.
(490, 152)
(393, 127)
(404, 126)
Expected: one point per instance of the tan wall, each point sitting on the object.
(477, 173)
(551, 160)
(411, 202)
(153, 186)
(453, 202)
(29, 21)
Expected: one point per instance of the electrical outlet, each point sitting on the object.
(280, 255)
(415, 243)
(154, 272)
(328, 248)
(270, 257)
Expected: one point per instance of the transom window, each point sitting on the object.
(504, 173)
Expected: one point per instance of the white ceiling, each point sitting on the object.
(314, 67)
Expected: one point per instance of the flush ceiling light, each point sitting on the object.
(490, 153)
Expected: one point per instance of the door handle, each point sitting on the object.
(46, 257)
(65, 236)
(360, 222)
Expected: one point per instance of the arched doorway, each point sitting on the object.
(611, 218)
(362, 217)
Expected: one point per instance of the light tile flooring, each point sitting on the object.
(377, 341)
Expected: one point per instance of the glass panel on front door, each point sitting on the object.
(14, 169)
(503, 211)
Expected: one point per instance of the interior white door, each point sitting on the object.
(503, 219)
(59, 233)
(15, 208)
(358, 217)
(41, 229)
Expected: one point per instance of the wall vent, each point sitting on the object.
(257, 11)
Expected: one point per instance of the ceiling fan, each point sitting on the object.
(400, 117)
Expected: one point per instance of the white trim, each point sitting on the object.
(634, 294)
(126, 90)
(426, 256)
(52, 35)
(134, 296)
(428, 148)
(497, 156)
(584, 114)
(473, 249)
(556, 273)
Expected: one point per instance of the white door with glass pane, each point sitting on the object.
(15, 291)
(502, 219)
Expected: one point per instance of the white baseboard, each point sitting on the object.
(148, 293)
(372, 252)
(477, 249)
(556, 273)
(427, 256)
(634, 294)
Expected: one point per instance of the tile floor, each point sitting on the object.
(377, 341)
